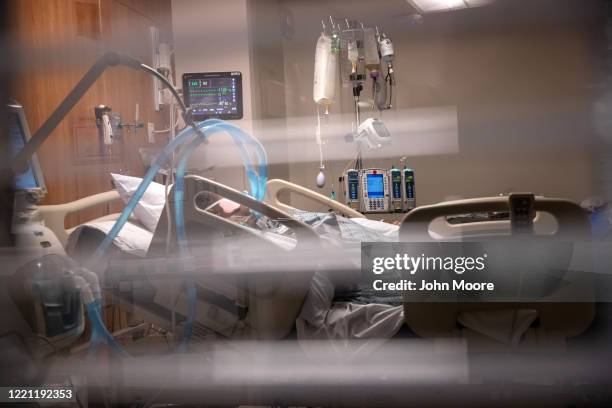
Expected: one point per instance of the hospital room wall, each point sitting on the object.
(520, 88)
(58, 41)
(267, 82)
(236, 35)
(213, 36)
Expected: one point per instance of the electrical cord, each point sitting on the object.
(389, 105)
(173, 110)
(351, 161)
(176, 123)
(169, 180)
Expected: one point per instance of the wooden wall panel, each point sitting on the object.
(57, 44)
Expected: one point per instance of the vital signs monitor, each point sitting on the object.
(213, 95)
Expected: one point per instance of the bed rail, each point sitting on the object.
(275, 186)
(54, 215)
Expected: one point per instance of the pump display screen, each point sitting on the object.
(353, 185)
(213, 95)
(376, 186)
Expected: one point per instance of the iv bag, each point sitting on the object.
(372, 59)
(353, 52)
(324, 88)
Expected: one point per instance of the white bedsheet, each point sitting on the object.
(133, 238)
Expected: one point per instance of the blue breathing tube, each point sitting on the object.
(99, 332)
(257, 179)
(161, 160)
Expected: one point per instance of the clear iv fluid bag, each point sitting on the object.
(324, 88)
(353, 52)
(372, 59)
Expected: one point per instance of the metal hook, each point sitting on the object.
(324, 27)
(331, 20)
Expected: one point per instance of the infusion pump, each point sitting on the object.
(379, 190)
(375, 190)
(352, 189)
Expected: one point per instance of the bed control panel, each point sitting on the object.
(522, 213)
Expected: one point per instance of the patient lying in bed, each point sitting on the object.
(336, 306)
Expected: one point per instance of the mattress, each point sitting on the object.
(133, 239)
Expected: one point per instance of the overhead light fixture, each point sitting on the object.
(432, 6)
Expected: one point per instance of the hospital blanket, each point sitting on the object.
(341, 311)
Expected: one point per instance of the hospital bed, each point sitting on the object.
(275, 305)
(279, 300)
(54, 215)
(563, 309)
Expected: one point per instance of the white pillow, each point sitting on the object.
(150, 207)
